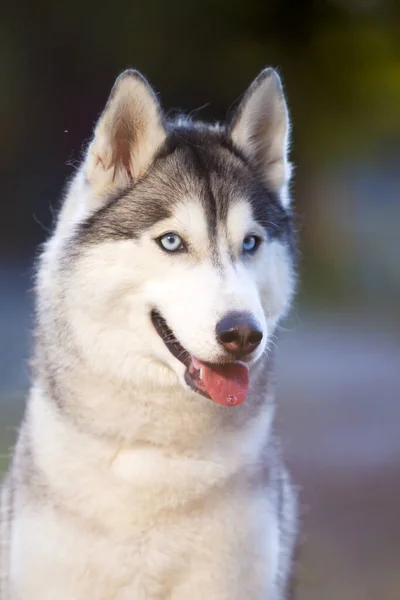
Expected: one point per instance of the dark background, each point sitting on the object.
(339, 363)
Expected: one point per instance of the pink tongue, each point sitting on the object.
(226, 384)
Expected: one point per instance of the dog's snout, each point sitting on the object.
(239, 333)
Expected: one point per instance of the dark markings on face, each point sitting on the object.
(196, 160)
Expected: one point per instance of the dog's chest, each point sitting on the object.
(60, 558)
(226, 546)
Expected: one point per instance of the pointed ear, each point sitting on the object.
(126, 137)
(260, 129)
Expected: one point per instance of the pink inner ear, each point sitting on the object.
(99, 160)
(127, 135)
(123, 143)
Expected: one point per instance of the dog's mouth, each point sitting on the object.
(226, 384)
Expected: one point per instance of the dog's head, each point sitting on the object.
(179, 241)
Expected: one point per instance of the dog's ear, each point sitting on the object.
(126, 137)
(260, 129)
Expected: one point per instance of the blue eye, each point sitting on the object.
(250, 244)
(171, 242)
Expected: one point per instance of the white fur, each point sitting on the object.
(165, 513)
(129, 485)
(139, 523)
(109, 297)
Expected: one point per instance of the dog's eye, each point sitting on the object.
(171, 242)
(250, 244)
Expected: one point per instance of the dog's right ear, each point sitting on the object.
(260, 129)
(126, 137)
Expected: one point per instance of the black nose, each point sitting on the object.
(239, 333)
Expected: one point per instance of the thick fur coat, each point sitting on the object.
(126, 483)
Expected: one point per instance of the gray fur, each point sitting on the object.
(113, 412)
(196, 160)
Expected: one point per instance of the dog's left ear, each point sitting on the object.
(126, 137)
(260, 129)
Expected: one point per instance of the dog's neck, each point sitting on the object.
(163, 416)
(144, 448)
(171, 460)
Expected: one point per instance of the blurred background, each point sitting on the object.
(339, 361)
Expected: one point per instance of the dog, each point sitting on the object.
(146, 466)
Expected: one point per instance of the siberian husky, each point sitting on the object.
(146, 467)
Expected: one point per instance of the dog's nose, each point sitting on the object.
(239, 333)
